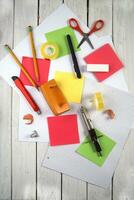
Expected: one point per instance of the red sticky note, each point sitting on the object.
(104, 55)
(43, 66)
(63, 130)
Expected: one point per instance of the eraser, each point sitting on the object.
(97, 67)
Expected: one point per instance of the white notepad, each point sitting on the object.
(64, 158)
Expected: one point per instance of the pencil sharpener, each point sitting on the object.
(54, 97)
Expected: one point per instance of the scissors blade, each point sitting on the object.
(81, 42)
(89, 42)
(85, 38)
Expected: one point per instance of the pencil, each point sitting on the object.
(36, 70)
(21, 66)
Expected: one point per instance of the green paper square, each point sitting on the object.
(86, 149)
(59, 37)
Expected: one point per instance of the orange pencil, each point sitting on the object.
(21, 66)
(36, 70)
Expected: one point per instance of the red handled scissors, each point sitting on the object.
(73, 23)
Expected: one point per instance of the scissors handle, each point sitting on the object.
(96, 26)
(73, 23)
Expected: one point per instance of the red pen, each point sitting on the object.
(26, 94)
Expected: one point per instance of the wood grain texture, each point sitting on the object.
(123, 19)
(23, 153)
(47, 7)
(6, 16)
(100, 10)
(123, 35)
(48, 181)
(21, 174)
(79, 8)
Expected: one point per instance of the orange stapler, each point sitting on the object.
(54, 97)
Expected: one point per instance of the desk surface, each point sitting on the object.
(21, 174)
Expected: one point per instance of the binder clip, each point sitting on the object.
(54, 97)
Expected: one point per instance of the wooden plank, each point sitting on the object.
(47, 7)
(123, 182)
(6, 27)
(48, 181)
(79, 8)
(124, 35)
(23, 154)
(100, 10)
(71, 187)
(123, 185)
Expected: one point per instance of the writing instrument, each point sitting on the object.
(21, 66)
(36, 69)
(91, 131)
(75, 62)
(26, 94)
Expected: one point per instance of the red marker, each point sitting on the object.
(26, 94)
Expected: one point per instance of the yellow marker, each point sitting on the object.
(49, 50)
(98, 101)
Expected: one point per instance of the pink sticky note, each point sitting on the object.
(63, 130)
(104, 55)
(43, 66)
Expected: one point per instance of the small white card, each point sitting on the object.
(98, 67)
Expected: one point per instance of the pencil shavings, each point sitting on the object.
(110, 114)
(28, 119)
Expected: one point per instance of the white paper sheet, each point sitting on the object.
(8, 67)
(64, 158)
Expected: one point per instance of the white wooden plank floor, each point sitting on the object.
(21, 174)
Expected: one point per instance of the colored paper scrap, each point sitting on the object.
(43, 65)
(105, 55)
(86, 148)
(63, 130)
(70, 85)
(59, 37)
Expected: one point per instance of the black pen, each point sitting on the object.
(91, 131)
(75, 62)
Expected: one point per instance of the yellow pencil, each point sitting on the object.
(21, 66)
(36, 70)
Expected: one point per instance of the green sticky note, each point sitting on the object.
(86, 149)
(59, 37)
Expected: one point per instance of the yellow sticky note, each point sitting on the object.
(70, 85)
